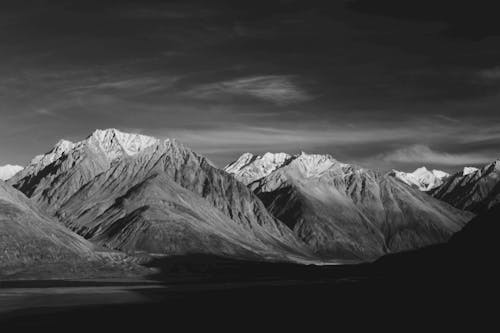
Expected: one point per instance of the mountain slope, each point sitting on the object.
(29, 238)
(158, 197)
(8, 171)
(340, 210)
(422, 179)
(475, 190)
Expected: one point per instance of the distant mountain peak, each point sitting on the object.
(8, 171)
(468, 170)
(422, 178)
(249, 168)
(313, 165)
(116, 144)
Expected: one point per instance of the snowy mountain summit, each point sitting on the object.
(469, 170)
(116, 144)
(8, 171)
(113, 143)
(249, 168)
(421, 178)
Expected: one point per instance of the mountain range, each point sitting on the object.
(345, 211)
(140, 195)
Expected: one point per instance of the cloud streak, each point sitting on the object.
(423, 154)
(490, 73)
(278, 89)
(261, 137)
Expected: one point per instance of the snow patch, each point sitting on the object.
(469, 170)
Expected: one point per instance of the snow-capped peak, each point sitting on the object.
(469, 170)
(115, 143)
(312, 165)
(8, 171)
(249, 168)
(60, 148)
(421, 178)
(440, 174)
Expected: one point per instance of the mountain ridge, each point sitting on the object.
(472, 189)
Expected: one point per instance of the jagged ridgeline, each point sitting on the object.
(475, 190)
(136, 193)
(344, 211)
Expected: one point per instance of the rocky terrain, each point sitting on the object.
(475, 190)
(344, 211)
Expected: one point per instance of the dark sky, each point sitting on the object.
(380, 83)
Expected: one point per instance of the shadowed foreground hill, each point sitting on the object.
(471, 254)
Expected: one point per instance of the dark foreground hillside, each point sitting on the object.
(436, 288)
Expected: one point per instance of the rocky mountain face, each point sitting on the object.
(8, 171)
(421, 179)
(30, 238)
(251, 167)
(473, 189)
(343, 211)
(140, 194)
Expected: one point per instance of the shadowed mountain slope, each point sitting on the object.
(475, 190)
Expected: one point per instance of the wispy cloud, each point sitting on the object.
(490, 73)
(423, 154)
(278, 89)
(135, 86)
(45, 112)
(258, 138)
